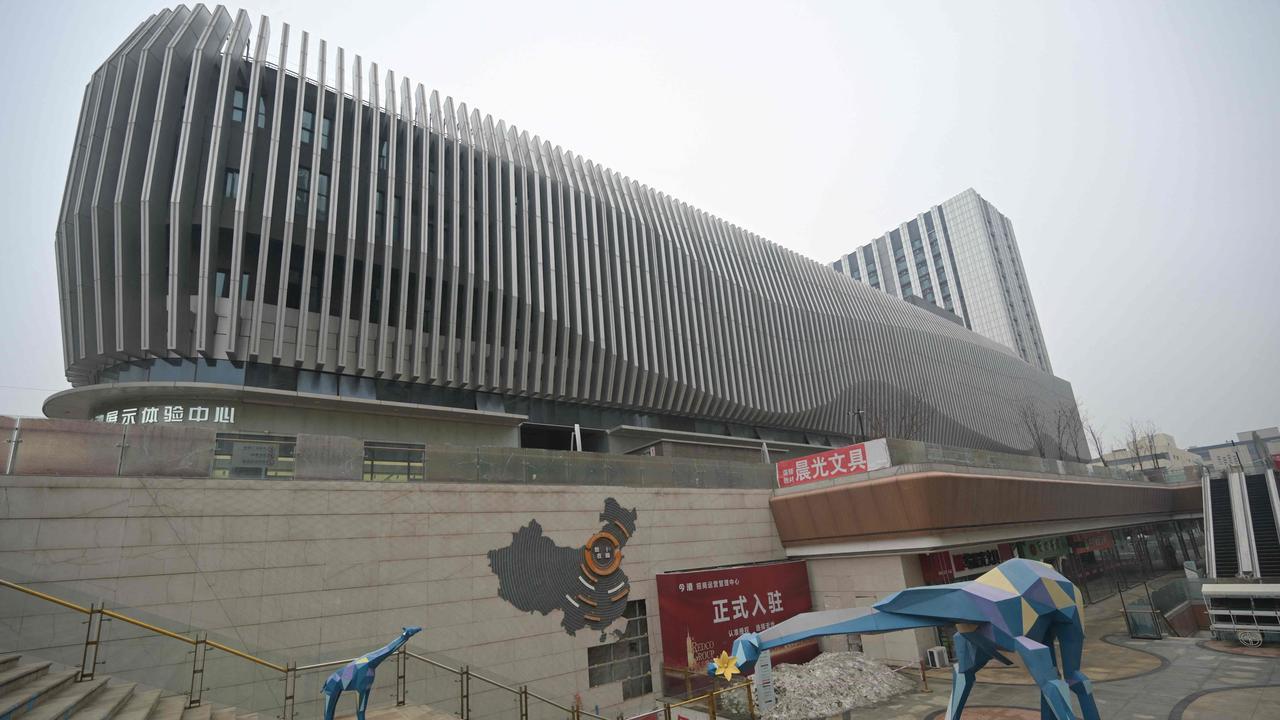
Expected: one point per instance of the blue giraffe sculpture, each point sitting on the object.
(1020, 606)
(358, 674)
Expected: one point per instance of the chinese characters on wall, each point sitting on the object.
(703, 611)
(731, 607)
(169, 414)
(841, 462)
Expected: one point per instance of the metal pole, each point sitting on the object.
(13, 446)
(93, 633)
(711, 705)
(751, 703)
(124, 443)
(197, 671)
(290, 685)
(666, 711)
(400, 670)
(465, 685)
(524, 702)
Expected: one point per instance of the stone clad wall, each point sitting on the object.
(309, 570)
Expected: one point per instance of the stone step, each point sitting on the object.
(170, 707)
(28, 696)
(223, 714)
(16, 676)
(247, 716)
(199, 712)
(68, 699)
(138, 706)
(106, 703)
(8, 662)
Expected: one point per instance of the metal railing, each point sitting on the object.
(290, 672)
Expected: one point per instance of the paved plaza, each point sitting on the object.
(1174, 678)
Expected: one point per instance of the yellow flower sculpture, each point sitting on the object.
(726, 665)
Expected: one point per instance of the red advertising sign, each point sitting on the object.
(702, 612)
(1275, 460)
(832, 464)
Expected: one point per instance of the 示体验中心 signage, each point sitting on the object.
(831, 464)
(224, 414)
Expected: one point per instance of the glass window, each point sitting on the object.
(322, 194)
(231, 184)
(135, 371)
(382, 156)
(173, 370)
(262, 112)
(354, 386)
(223, 372)
(304, 189)
(271, 376)
(308, 125)
(325, 126)
(237, 105)
(320, 383)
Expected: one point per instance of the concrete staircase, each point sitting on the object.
(39, 691)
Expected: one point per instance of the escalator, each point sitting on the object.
(1225, 558)
(1265, 538)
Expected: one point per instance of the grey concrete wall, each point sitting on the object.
(308, 570)
(860, 582)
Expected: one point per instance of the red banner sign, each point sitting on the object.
(832, 464)
(703, 612)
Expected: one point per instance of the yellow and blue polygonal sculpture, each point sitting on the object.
(1020, 606)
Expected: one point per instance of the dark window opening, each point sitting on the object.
(304, 189)
(293, 294)
(626, 660)
(308, 125)
(231, 184)
(238, 105)
(322, 196)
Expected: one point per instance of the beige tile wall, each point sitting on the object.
(311, 569)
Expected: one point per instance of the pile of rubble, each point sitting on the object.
(828, 685)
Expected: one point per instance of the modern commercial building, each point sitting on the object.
(272, 235)
(961, 257)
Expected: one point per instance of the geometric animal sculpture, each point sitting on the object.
(358, 674)
(1020, 606)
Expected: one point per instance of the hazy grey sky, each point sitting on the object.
(1134, 145)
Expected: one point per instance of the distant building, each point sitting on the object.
(962, 257)
(1163, 452)
(1250, 447)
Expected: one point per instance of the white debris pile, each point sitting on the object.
(830, 684)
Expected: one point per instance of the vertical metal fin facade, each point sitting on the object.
(237, 197)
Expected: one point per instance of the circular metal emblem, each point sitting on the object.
(1250, 638)
(602, 553)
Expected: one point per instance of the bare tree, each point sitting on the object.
(1149, 433)
(907, 420)
(1034, 424)
(1067, 431)
(1092, 431)
(1134, 435)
